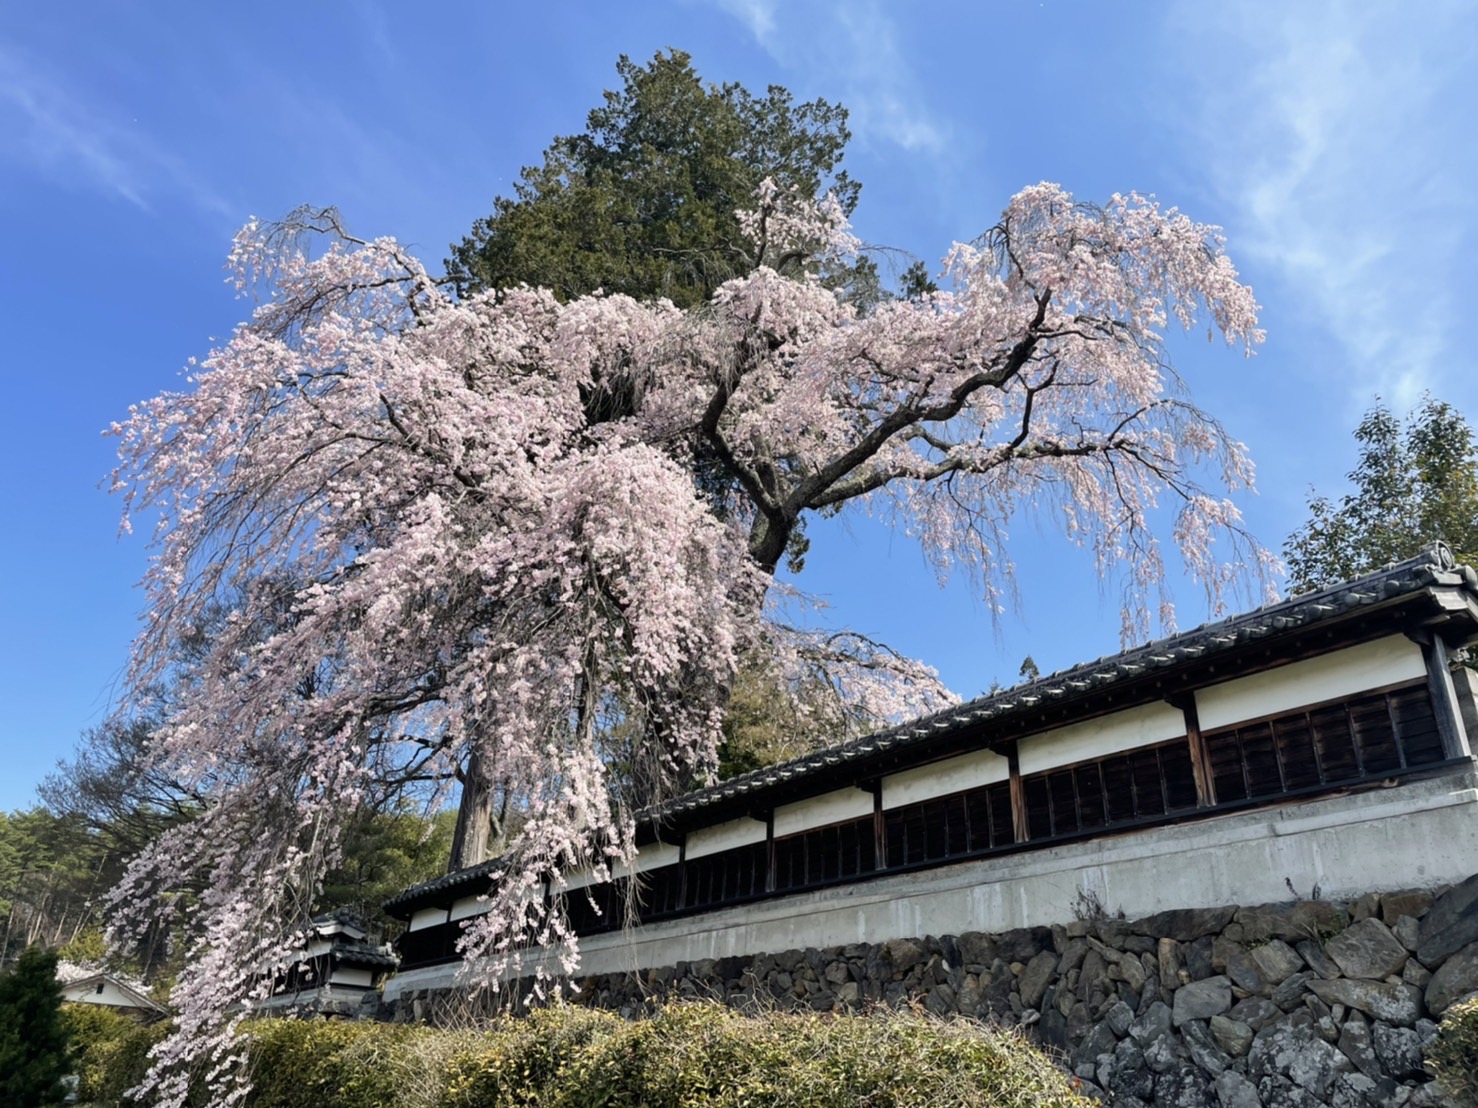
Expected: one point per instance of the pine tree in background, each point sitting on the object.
(33, 1040)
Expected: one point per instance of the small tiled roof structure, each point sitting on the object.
(338, 971)
(1430, 583)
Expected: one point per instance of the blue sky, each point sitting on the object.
(1333, 141)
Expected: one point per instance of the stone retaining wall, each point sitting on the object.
(1293, 1005)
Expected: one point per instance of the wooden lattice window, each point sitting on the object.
(970, 822)
(1371, 736)
(726, 876)
(825, 854)
(1104, 792)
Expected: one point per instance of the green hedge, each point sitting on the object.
(1454, 1056)
(689, 1054)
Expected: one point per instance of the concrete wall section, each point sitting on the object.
(1426, 831)
(942, 778)
(1098, 738)
(725, 836)
(1343, 673)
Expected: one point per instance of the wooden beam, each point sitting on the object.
(879, 829)
(1444, 699)
(1020, 829)
(1200, 759)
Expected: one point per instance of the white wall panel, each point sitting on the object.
(1096, 738)
(650, 857)
(468, 906)
(427, 917)
(1327, 677)
(820, 810)
(725, 836)
(942, 778)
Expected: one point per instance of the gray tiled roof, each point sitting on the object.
(1433, 566)
(363, 954)
(482, 872)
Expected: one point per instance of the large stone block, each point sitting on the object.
(1367, 949)
(1399, 1050)
(1449, 925)
(1233, 1090)
(1312, 952)
(1457, 977)
(1184, 925)
(1276, 961)
(1036, 977)
(1301, 919)
(1412, 902)
(1201, 1000)
(1233, 1036)
(1399, 1004)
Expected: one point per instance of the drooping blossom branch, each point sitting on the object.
(428, 532)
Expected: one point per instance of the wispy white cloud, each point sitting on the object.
(853, 46)
(757, 15)
(50, 128)
(1332, 132)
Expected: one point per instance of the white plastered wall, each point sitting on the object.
(111, 995)
(1098, 738)
(725, 836)
(650, 857)
(1370, 665)
(427, 917)
(352, 976)
(818, 811)
(953, 775)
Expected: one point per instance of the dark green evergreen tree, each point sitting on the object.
(642, 202)
(33, 1038)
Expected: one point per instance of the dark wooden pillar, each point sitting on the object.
(682, 871)
(1444, 697)
(1200, 760)
(879, 828)
(770, 851)
(1020, 828)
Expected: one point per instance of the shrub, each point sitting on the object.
(686, 1055)
(96, 1034)
(113, 1066)
(325, 1063)
(1454, 1056)
(702, 1053)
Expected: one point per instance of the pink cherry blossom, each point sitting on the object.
(407, 529)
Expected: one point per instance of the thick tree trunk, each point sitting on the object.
(474, 819)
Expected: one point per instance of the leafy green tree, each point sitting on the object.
(33, 1038)
(643, 201)
(1415, 481)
